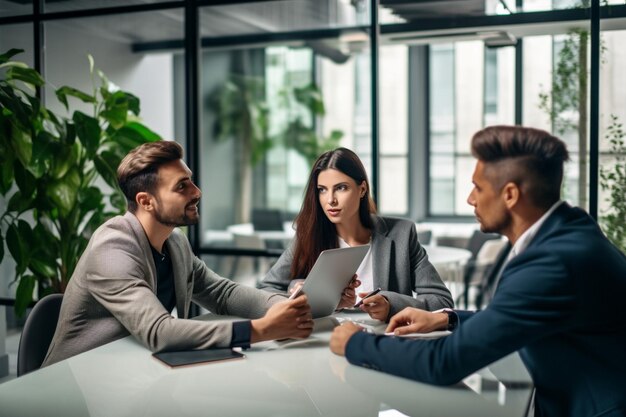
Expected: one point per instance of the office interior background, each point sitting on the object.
(404, 84)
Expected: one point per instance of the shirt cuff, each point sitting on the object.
(242, 333)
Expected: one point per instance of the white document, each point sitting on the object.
(430, 335)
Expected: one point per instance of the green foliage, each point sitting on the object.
(242, 113)
(49, 169)
(613, 180)
(563, 99)
(304, 104)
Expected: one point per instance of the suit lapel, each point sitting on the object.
(381, 251)
(180, 278)
(145, 248)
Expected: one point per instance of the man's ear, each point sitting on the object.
(510, 194)
(144, 201)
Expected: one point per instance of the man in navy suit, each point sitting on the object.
(557, 302)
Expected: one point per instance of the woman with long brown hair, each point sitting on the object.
(338, 211)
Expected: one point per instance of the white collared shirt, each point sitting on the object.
(524, 240)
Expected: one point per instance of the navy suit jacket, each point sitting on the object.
(557, 303)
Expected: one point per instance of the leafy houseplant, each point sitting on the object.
(569, 97)
(51, 169)
(242, 113)
(300, 134)
(613, 180)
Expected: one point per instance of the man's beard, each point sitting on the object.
(177, 221)
(499, 226)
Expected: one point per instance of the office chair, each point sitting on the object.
(267, 219)
(37, 333)
(474, 245)
(491, 277)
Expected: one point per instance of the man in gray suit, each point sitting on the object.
(138, 267)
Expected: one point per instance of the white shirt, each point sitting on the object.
(524, 240)
(365, 272)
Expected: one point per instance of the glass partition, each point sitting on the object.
(272, 102)
(15, 8)
(18, 36)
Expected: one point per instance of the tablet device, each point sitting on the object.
(192, 357)
(330, 274)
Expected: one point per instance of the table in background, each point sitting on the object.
(297, 378)
(450, 264)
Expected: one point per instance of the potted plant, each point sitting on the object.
(304, 105)
(52, 170)
(613, 180)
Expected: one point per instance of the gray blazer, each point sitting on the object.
(112, 294)
(400, 266)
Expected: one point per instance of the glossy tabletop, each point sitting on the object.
(292, 378)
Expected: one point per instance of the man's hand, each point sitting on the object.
(287, 319)
(341, 335)
(348, 296)
(414, 320)
(376, 306)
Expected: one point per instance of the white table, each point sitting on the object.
(449, 263)
(294, 379)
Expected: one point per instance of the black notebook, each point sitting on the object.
(192, 357)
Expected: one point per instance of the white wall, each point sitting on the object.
(149, 77)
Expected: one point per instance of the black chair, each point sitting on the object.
(475, 242)
(491, 278)
(267, 219)
(37, 333)
(424, 237)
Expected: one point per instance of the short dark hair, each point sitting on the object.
(531, 158)
(138, 171)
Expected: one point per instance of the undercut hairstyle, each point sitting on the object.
(530, 158)
(314, 232)
(138, 171)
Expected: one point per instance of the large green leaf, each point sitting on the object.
(116, 116)
(63, 192)
(88, 131)
(22, 146)
(106, 164)
(24, 294)
(19, 235)
(90, 199)
(6, 175)
(24, 180)
(41, 267)
(14, 243)
(18, 203)
(5, 57)
(133, 135)
(118, 200)
(17, 112)
(44, 150)
(48, 243)
(65, 91)
(27, 75)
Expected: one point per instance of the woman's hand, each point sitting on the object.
(377, 306)
(348, 296)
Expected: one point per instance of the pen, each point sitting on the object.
(296, 293)
(376, 291)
